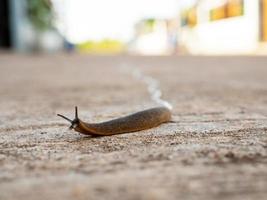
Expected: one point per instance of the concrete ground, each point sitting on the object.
(215, 149)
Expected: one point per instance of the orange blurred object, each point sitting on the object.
(192, 17)
(263, 20)
(235, 8)
(218, 13)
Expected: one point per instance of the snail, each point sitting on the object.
(131, 123)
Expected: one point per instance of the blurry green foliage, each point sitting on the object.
(104, 46)
(147, 25)
(150, 23)
(40, 13)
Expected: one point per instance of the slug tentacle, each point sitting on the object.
(73, 122)
(64, 118)
(135, 122)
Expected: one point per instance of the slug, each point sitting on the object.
(135, 122)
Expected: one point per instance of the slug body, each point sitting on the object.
(135, 122)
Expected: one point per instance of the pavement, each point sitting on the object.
(215, 148)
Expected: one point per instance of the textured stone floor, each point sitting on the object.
(215, 148)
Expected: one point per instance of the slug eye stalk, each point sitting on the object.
(73, 122)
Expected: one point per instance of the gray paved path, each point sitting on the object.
(215, 149)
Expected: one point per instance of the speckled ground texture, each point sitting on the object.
(215, 148)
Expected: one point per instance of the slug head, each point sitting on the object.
(73, 122)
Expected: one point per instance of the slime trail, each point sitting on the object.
(152, 85)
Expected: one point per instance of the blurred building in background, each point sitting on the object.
(5, 40)
(224, 27)
(27, 26)
(142, 27)
(155, 37)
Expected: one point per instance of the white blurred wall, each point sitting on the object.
(235, 35)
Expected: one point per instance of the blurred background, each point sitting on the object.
(143, 27)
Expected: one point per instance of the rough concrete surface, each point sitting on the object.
(215, 148)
